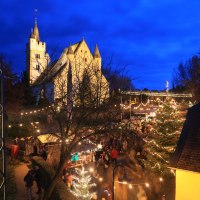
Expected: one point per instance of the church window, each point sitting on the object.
(37, 55)
(38, 67)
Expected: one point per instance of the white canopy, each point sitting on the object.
(48, 138)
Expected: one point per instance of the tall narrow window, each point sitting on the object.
(37, 56)
(38, 67)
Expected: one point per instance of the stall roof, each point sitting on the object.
(48, 138)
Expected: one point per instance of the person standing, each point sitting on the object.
(28, 179)
(114, 155)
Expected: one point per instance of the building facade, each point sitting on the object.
(186, 158)
(64, 77)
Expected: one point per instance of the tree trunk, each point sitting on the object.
(56, 178)
(51, 187)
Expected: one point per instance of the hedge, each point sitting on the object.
(61, 192)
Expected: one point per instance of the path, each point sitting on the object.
(20, 173)
(122, 191)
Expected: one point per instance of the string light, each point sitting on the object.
(147, 184)
(100, 179)
(91, 170)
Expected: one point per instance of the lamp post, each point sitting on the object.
(124, 179)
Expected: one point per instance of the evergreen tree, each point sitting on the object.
(82, 185)
(161, 141)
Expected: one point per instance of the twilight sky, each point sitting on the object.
(150, 37)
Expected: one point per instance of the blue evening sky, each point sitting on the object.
(150, 37)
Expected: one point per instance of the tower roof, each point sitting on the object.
(96, 52)
(35, 32)
(70, 50)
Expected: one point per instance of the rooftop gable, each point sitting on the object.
(187, 154)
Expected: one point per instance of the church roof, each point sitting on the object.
(70, 50)
(51, 71)
(187, 154)
(35, 32)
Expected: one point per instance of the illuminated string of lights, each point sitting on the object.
(168, 149)
(35, 111)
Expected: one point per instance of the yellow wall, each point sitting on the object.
(187, 185)
(36, 47)
(81, 60)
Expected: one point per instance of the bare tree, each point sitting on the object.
(187, 77)
(82, 102)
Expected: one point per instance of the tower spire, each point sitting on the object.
(35, 32)
(96, 52)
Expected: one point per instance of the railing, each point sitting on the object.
(156, 94)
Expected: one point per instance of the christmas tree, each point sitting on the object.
(161, 140)
(82, 185)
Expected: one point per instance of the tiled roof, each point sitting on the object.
(187, 154)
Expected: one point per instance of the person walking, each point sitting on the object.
(28, 179)
(38, 181)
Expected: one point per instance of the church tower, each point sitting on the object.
(36, 57)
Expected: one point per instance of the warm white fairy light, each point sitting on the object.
(100, 179)
(91, 169)
(99, 146)
(82, 185)
(147, 184)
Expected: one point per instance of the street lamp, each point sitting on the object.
(124, 179)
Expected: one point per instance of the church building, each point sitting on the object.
(58, 79)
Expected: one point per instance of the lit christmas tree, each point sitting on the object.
(160, 142)
(82, 185)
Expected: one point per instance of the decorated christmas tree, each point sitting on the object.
(82, 185)
(161, 140)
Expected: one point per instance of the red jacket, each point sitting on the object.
(114, 153)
